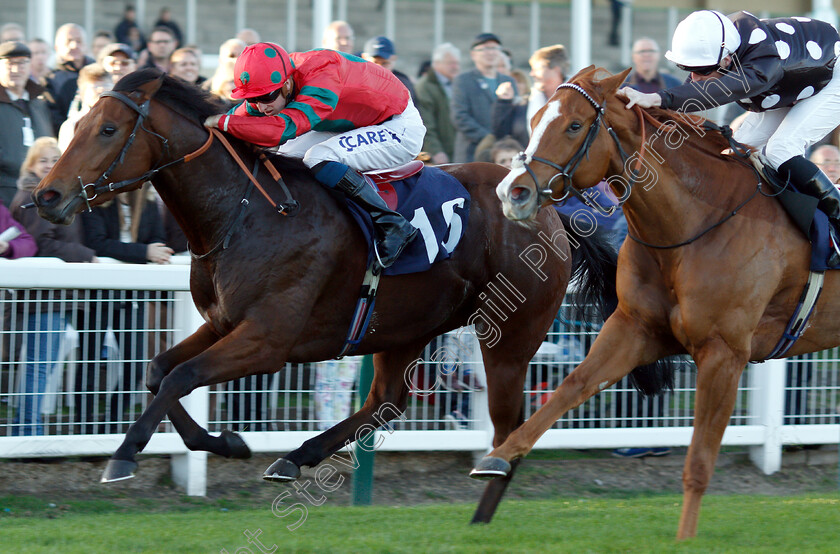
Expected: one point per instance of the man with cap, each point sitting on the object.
(118, 59)
(71, 57)
(23, 115)
(340, 114)
(381, 51)
(473, 94)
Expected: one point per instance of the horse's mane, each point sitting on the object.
(190, 100)
(710, 140)
(193, 102)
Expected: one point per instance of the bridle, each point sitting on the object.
(567, 171)
(92, 190)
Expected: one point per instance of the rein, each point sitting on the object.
(742, 153)
(289, 208)
(566, 172)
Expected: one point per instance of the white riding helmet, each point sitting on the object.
(703, 39)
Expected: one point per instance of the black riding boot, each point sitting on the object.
(395, 232)
(809, 179)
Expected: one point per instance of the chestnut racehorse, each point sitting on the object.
(692, 277)
(275, 289)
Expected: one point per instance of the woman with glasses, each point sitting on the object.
(340, 114)
(782, 71)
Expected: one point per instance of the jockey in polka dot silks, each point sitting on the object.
(340, 114)
(782, 71)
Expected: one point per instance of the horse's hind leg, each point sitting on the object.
(387, 399)
(620, 347)
(718, 372)
(228, 444)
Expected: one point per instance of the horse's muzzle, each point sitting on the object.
(53, 207)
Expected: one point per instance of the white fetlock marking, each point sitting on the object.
(603, 385)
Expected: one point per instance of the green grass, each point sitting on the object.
(805, 523)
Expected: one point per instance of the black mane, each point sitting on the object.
(193, 102)
(187, 99)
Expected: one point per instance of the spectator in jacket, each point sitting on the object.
(162, 42)
(165, 20)
(39, 62)
(434, 93)
(473, 94)
(45, 323)
(24, 116)
(129, 229)
(71, 57)
(118, 60)
(100, 40)
(549, 66)
(127, 30)
(339, 36)
(646, 76)
(381, 51)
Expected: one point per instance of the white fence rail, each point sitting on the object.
(115, 317)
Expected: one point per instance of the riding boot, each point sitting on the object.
(809, 179)
(395, 232)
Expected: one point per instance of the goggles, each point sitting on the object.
(705, 70)
(266, 98)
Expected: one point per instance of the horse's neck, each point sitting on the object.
(205, 196)
(671, 201)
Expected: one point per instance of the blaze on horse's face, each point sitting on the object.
(98, 140)
(559, 130)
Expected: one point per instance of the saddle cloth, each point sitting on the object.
(802, 208)
(434, 202)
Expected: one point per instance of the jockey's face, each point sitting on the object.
(274, 107)
(724, 63)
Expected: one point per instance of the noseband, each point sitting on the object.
(92, 190)
(567, 171)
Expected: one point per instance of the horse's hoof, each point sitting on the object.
(490, 467)
(282, 470)
(238, 449)
(118, 470)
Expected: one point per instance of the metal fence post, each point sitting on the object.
(189, 470)
(363, 475)
(767, 408)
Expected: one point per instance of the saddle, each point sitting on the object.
(382, 178)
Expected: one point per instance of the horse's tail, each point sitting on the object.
(594, 264)
(593, 273)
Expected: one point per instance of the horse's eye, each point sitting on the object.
(108, 131)
(575, 126)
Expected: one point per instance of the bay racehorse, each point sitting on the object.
(692, 277)
(275, 289)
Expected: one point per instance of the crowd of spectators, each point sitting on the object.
(482, 112)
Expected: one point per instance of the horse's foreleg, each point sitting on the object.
(387, 399)
(228, 444)
(718, 372)
(621, 346)
(238, 354)
(505, 383)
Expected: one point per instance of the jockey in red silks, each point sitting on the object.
(340, 114)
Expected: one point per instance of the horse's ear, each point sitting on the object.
(149, 88)
(586, 71)
(611, 84)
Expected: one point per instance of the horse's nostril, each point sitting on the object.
(47, 197)
(520, 194)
